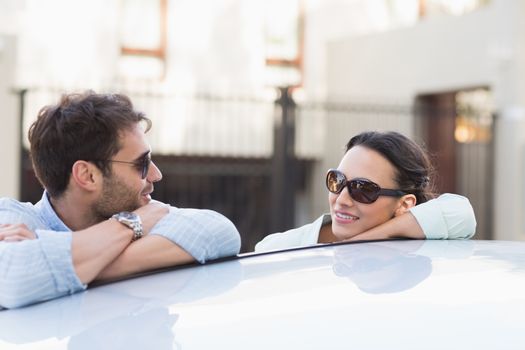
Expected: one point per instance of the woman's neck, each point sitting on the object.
(326, 235)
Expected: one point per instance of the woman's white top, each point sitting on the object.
(449, 216)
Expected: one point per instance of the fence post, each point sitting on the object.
(283, 174)
(21, 153)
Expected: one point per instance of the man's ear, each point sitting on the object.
(86, 175)
(406, 202)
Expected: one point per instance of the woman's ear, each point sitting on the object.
(406, 202)
(86, 175)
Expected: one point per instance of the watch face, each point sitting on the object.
(132, 221)
(128, 215)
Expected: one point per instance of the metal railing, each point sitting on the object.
(260, 160)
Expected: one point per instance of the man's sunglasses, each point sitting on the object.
(361, 190)
(142, 164)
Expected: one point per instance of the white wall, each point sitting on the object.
(9, 130)
(216, 45)
(67, 44)
(434, 55)
(334, 19)
(483, 48)
(509, 170)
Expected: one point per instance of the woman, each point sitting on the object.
(381, 189)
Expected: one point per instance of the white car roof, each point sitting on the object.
(376, 295)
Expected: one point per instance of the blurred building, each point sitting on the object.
(447, 73)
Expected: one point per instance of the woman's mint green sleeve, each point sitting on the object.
(449, 216)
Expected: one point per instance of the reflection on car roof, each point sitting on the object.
(404, 294)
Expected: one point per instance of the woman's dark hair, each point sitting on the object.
(83, 126)
(411, 162)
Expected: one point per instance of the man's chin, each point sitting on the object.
(145, 199)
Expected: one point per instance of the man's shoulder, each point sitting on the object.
(11, 203)
(13, 211)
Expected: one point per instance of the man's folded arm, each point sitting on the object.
(34, 270)
(181, 237)
(37, 270)
(60, 263)
(148, 253)
(204, 234)
(55, 263)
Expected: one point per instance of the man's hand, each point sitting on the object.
(151, 213)
(15, 232)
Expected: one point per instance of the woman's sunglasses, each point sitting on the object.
(361, 190)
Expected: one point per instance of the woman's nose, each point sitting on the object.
(344, 197)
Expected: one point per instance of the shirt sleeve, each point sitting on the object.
(14, 212)
(37, 270)
(204, 234)
(450, 216)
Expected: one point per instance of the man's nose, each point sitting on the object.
(154, 173)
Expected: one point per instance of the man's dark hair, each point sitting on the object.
(82, 126)
(411, 161)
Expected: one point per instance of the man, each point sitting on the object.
(96, 219)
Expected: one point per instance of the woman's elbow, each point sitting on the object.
(467, 227)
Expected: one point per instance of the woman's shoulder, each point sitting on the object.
(300, 236)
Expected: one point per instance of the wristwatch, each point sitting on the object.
(132, 221)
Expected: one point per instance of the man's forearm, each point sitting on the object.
(94, 248)
(150, 252)
(37, 270)
(204, 234)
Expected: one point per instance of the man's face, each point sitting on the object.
(124, 189)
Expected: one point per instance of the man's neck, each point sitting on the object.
(74, 213)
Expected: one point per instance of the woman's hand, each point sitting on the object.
(401, 226)
(15, 232)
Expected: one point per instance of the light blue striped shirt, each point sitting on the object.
(42, 269)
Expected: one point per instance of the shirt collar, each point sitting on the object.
(327, 219)
(49, 215)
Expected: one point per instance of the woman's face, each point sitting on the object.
(350, 217)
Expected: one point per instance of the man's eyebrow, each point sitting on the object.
(142, 156)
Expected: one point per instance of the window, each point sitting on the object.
(284, 26)
(143, 39)
(428, 8)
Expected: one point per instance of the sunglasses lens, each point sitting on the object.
(364, 191)
(335, 181)
(145, 167)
